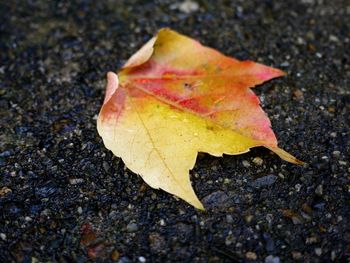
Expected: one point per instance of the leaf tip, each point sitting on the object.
(282, 73)
(286, 156)
(200, 207)
(296, 161)
(276, 73)
(194, 201)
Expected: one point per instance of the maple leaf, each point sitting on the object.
(175, 98)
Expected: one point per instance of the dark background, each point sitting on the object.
(64, 197)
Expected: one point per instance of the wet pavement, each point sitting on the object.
(65, 198)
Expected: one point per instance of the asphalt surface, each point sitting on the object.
(65, 198)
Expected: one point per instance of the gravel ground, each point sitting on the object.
(65, 198)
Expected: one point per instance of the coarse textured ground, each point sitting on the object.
(65, 198)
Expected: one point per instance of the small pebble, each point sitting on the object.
(296, 220)
(342, 163)
(249, 218)
(258, 161)
(217, 200)
(28, 219)
(336, 153)
(188, 6)
(3, 236)
(115, 255)
(5, 154)
(272, 259)
(227, 181)
(280, 175)
(333, 255)
(124, 260)
(285, 64)
(251, 255)
(229, 219)
(300, 41)
(319, 190)
(264, 181)
(113, 215)
(311, 240)
(132, 227)
(296, 255)
(162, 222)
(245, 163)
(269, 218)
(333, 38)
(5, 190)
(105, 166)
(80, 210)
(298, 94)
(75, 181)
(142, 259)
(318, 251)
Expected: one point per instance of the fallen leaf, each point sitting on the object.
(175, 98)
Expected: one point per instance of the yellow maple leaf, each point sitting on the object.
(175, 98)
